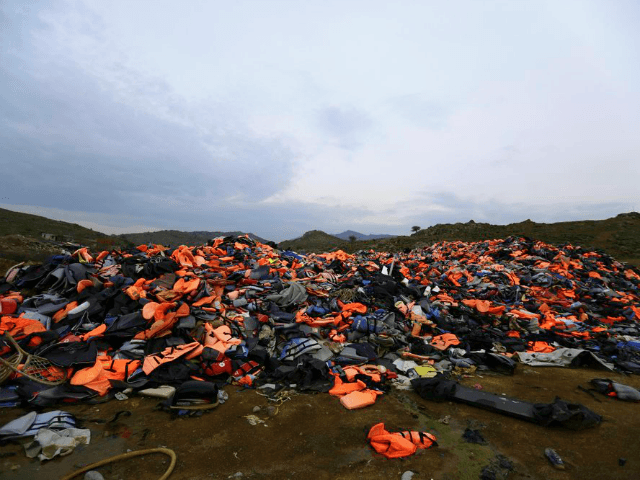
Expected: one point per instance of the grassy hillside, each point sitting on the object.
(21, 237)
(176, 237)
(618, 236)
(17, 223)
(315, 241)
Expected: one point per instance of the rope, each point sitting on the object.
(35, 368)
(279, 398)
(125, 456)
(205, 406)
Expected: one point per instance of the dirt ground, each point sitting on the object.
(313, 436)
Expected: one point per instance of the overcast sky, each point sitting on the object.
(278, 117)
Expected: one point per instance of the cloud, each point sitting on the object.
(99, 152)
(104, 223)
(448, 207)
(345, 126)
(227, 118)
(126, 144)
(419, 110)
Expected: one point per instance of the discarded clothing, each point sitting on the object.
(29, 424)
(564, 357)
(616, 390)
(48, 444)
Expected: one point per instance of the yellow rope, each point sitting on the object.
(124, 456)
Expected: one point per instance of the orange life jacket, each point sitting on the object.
(399, 444)
(359, 399)
(444, 341)
(169, 354)
(219, 338)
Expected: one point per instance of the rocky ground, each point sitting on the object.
(313, 436)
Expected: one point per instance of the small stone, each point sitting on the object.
(256, 409)
(93, 475)
(271, 410)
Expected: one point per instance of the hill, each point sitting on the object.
(17, 223)
(360, 236)
(176, 237)
(618, 236)
(314, 241)
(21, 237)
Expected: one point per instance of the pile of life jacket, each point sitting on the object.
(237, 311)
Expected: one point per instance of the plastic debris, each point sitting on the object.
(554, 458)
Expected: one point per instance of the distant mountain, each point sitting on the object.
(176, 237)
(360, 236)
